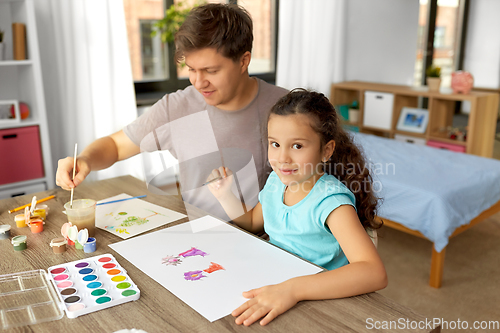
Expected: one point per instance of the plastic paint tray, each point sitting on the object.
(78, 287)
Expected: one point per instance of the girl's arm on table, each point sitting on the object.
(365, 273)
(252, 220)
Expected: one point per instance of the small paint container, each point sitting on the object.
(5, 231)
(20, 221)
(36, 225)
(58, 245)
(103, 299)
(70, 242)
(78, 246)
(104, 259)
(19, 243)
(45, 208)
(90, 246)
(129, 292)
(82, 264)
(89, 278)
(39, 213)
(72, 299)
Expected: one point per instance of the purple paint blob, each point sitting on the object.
(193, 275)
(193, 252)
(82, 264)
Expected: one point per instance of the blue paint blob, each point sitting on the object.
(85, 271)
(90, 277)
(93, 285)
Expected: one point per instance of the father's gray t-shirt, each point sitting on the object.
(202, 137)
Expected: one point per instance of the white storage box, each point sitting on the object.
(22, 190)
(378, 110)
(410, 139)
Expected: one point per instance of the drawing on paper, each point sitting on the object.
(213, 267)
(197, 275)
(193, 275)
(193, 252)
(129, 221)
(171, 260)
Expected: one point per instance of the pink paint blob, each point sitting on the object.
(61, 277)
(76, 307)
(64, 284)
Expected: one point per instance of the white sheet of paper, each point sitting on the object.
(132, 217)
(248, 263)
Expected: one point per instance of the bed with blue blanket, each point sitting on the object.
(432, 193)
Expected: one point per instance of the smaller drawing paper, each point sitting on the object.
(132, 217)
(210, 267)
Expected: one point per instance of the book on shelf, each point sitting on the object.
(19, 40)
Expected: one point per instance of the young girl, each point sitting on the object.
(306, 209)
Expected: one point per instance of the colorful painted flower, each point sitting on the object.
(213, 267)
(171, 260)
(193, 275)
(193, 252)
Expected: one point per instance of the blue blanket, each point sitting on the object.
(427, 189)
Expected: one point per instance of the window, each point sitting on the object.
(441, 34)
(152, 60)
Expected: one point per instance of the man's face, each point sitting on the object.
(216, 77)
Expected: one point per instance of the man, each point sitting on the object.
(219, 120)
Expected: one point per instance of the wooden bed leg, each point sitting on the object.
(437, 265)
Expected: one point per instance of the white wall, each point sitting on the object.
(482, 49)
(381, 40)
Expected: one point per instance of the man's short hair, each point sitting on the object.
(224, 27)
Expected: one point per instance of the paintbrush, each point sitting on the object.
(74, 170)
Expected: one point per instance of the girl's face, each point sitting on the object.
(295, 150)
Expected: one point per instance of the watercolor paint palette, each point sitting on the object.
(92, 284)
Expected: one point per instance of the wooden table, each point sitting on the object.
(158, 310)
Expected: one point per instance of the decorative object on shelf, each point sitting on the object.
(2, 46)
(354, 112)
(19, 40)
(461, 82)
(413, 120)
(457, 133)
(5, 111)
(24, 109)
(433, 77)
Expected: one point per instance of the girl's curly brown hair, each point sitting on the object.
(347, 162)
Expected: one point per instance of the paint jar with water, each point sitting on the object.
(82, 214)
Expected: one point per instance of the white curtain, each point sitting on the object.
(311, 50)
(87, 75)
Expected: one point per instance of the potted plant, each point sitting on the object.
(174, 17)
(354, 112)
(2, 46)
(433, 74)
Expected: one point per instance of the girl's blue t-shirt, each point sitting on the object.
(301, 228)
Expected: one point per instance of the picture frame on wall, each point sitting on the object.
(413, 120)
(9, 111)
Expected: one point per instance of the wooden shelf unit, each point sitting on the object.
(441, 107)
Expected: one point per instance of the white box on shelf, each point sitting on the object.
(5, 111)
(22, 190)
(410, 139)
(378, 110)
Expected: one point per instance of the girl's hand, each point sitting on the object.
(221, 187)
(269, 301)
